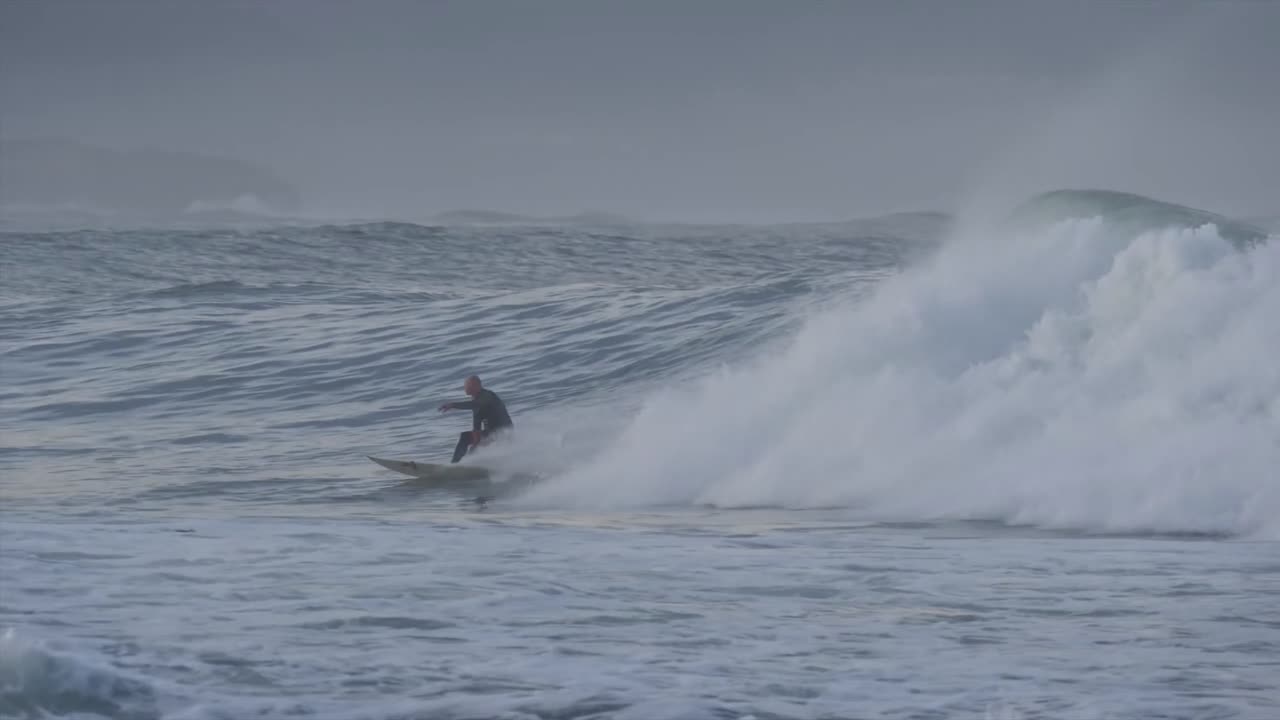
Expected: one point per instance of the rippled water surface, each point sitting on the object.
(695, 518)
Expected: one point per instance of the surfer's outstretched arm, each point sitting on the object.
(462, 405)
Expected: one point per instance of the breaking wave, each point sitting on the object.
(1096, 364)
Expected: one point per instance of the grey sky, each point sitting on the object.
(693, 110)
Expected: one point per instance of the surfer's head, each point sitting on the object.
(471, 385)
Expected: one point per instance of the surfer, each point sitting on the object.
(488, 416)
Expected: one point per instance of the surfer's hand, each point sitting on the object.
(446, 406)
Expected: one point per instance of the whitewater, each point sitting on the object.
(913, 466)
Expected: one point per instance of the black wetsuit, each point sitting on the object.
(488, 415)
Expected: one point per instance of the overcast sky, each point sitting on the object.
(671, 110)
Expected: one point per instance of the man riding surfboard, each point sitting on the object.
(488, 416)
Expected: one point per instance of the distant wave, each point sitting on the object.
(215, 287)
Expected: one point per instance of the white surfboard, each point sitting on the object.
(433, 471)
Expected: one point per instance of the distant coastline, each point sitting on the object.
(57, 175)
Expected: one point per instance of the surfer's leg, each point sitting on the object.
(464, 442)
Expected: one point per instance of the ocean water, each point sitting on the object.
(882, 469)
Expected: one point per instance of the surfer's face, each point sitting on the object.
(470, 387)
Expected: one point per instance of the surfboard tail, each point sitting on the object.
(432, 471)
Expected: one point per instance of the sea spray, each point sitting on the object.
(1073, 375)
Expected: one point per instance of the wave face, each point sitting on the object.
(1069, 374)
(171, 365)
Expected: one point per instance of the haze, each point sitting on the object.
(749, 111)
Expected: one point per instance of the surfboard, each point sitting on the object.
(433, 471)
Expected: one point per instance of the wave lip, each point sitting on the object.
(1131, 212)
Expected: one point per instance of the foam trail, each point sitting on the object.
(1075, 376)
(36, 681)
